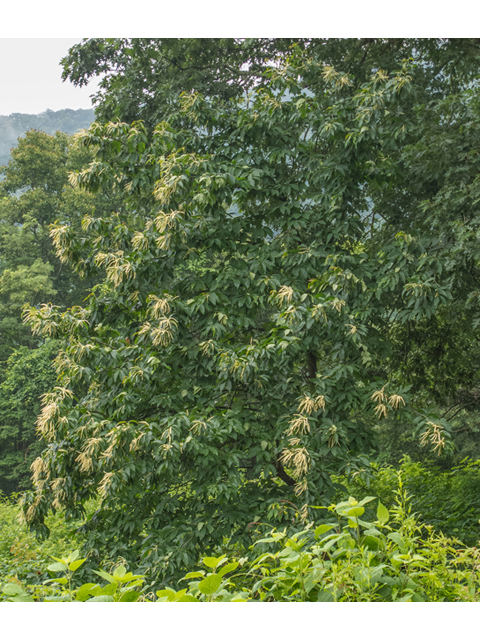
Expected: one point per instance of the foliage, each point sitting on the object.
(396, 437)
(275, 251)
(23, 557)
(142, 78)
(27, 375)
(346, 559)
(16, 125)
(447, 499)
(34, 193)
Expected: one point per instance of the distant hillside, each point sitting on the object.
(16, 125)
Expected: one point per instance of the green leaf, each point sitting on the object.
(194, 574)
(210, 584)
(355, 512)
(84, 591)
(228, 568)
(73, 556)
(12, 589)
(323, 528)
(130, 596)
(101, 599)
(57, 566)
(366, 500)
(23, 598)
(57, 581)
(168, 593)
(372, 543)
(73, 566)
(119, 572)
(104, 575)
(383, 515)
(212, 563)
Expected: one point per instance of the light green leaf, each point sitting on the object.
(57, 566)
(227, 568)
(84, 591)
(73, 566)
(130, 596)
(194, 574)
(323, 528)
(119, 572)
(210, 584)
(355, 512)
(383, 515)
(12, 589)
(212, 563)
(104, 575)
(73, 556)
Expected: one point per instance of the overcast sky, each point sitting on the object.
(30, 77)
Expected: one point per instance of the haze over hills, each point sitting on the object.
(16, 125)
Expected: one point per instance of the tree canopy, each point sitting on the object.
(287, 270)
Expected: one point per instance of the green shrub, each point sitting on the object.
(391, 558)
(24, 557)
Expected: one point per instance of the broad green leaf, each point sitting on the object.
(12, 589)
(57, 566)
(194, 574)
(73, 566)
(104, 575)
(356, 512)
(22, 598)
(119, 572)
(188, 598)
(383, 515)
(372, 543)
(228, 568)
(102, 598)
(323, 528)
(366, 500)
(73, 556)
(213, 563)
(84, 591)
(170, 594)
(57, 581)
(130, 596)
(210, 584)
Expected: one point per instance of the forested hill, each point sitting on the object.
(17, 124)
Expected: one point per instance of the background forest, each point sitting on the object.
(247, 292)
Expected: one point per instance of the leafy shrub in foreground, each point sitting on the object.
(345, 558)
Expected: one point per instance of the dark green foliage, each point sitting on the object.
(28, 374)
(34, 193)
(448, 500)
(287, 271)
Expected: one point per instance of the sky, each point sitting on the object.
(31, 77)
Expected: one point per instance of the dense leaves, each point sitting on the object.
(28, 374)
(34, 193)
(283, 276)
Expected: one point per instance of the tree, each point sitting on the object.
(28, 374)
(16, 125)
(35, 193)
(273, 252)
